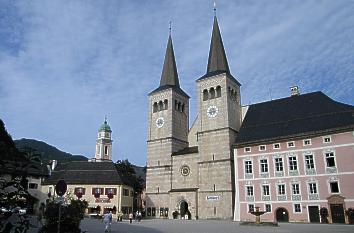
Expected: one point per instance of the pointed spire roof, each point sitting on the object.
(217, 57)
(169, 74)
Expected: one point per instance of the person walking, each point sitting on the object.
(107, 220)
(130, 217)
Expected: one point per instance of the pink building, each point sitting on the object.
(294, 156)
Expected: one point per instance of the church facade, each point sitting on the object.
(190, 170)
(291, 158)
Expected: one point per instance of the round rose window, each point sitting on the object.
(185, 170)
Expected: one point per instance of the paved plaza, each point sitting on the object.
(209, 226)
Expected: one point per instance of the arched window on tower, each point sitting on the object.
(165, 104)
(182, 107)
(205, 94)
(218, 91)
(160, 106)
(179, 106)
(212, 93)
(154, 108)
(176, 104)
(106, 150)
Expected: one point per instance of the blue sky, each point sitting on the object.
(64, 65)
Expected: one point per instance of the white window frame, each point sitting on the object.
(260, 166)
(296, 161)
(292, 188)
(326, 137)
(313, 159)
(329, 186)
(334, 157)
(278, 184)
(248, 207)
(309, 189)
(262, 190)
(288, 146)
(260, 146)
(308, 139)
(244, 166)
(265, 207)
(295, 208)
(275, 164)
(247, 149)
(275, 147)
(246, 190)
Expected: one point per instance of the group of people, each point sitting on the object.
(107, 219)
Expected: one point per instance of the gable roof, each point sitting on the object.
(82, 172)
(294, 116)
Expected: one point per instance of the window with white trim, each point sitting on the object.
(297, 208)
(249, 190)
(281, 189)
(268, 208)
(292, 163)
(276, 146)
(279, 164)
(262, 148)
(327, 139)
(265, 190)
(264, 165)
(291, 144)
(334, 187)
(247, 149)
(309, 163)
(330, 161)
(313, 188)
(250, 208)
(248, 167)
(296, 189)
(307, 142)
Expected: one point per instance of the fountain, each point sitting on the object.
(258, 214)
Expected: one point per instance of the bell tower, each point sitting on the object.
(104, 143)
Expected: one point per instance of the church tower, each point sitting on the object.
(219, 116)
(167, 130)
(104, 143)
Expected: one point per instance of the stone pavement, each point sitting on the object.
(209, 226)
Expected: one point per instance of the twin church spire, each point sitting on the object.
(217, 61)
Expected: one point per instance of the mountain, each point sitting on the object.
(48, 152)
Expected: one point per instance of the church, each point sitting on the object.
(291, 158)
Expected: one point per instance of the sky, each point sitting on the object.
(66, 64)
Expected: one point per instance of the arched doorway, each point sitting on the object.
(184, 210)
(282, 215)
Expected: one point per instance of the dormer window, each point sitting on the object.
(247, 149)
(327, 139)
(291, 144)
(307, 142)
(262, 148)
(276, 146)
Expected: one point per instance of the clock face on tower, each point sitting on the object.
(212, 111)
(159, 122)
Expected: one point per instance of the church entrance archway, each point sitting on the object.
(282, 215)
(184, 212)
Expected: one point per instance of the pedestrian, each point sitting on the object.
(139, 216)
(130, 217)
(107, 220)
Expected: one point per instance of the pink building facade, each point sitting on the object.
(292, 173)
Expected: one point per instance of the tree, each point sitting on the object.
(127, 172)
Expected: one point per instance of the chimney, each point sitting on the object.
(294, 90)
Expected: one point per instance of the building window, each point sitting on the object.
(214, 210)
(249, 190)
(153, 211)
(212, 93)
(205, 94)
(297, 208)
(32, 186)
(334, 187)
(330, 162)
(309, 163)
(281, 189)
(265, 189)
(161, 211)
(276, 146)
(106, 150)
(149, 211)
(262, 148)
(218, 91)
(279, 164)
(327, 139)
(291, 144)
(307, 142)
(247, 149)
(248, 167)
(313, 188)
(296, 189)
(264, 165)
(126, 192)
(154, 108)
(268, 208)
(250, 208)
(292, 163)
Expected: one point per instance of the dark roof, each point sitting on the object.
(169, 76)
(211, 74)
(294, 116)
(187, 150)
(217, 58)
(82, 172)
